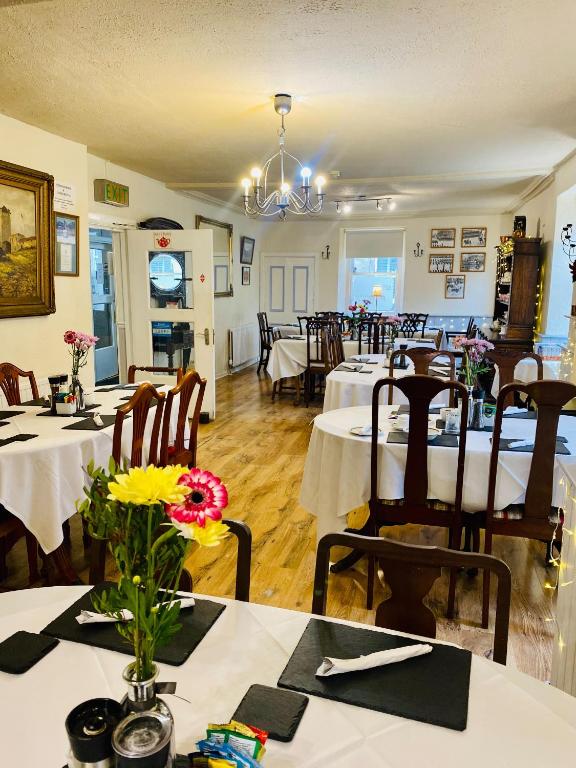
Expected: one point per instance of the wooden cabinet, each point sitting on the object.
(517, 282)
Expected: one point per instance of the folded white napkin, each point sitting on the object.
(380, 658)
(91, 617)
(520, 443)
(97, 419)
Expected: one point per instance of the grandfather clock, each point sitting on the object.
(517, 283)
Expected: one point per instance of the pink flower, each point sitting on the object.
(70, 337)
(208, 497)
(393, 320)
(352, 307)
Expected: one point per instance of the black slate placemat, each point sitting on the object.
(84, 412)
(22, 438)
(521, 415)
(431, 689)
(8, 414)
(445, 441)
(109, 389)
(90, 425)
(41, 402)
(196, 622)
(4, 423)
(560, 446)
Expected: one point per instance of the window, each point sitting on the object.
(365, 273)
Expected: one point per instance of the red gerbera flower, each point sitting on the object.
(206, 500)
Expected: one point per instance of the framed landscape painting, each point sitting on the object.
(472, 262)
(441, 263)
(26, 242)
(473, 237)
(443, 238)
(454, 286)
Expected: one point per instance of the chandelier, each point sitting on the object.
(264, 198)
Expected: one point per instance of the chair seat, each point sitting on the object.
(516, 512)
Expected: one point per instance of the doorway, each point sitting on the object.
(288, 287)
(104, 305)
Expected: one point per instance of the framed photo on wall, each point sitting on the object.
(443, 238)
(454, 286)
(66, 232)
(472, 262)
(473, 237)
(441, 263)
(26, 242)
(245, 275)
(247, 250)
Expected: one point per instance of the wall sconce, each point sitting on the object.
(326, 253)
(418, 251)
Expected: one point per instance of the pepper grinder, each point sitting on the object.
(54, 382)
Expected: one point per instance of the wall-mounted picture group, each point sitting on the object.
(470, 261)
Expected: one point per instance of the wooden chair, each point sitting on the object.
(12, 529)
(139, 407)
(413, 323)
(415, 506)
(316, 364)
(266, 340)
(10, 376)
(178, 452)
(506, 361)
(335, 317)
(470, 332)
(332, 346)
(536, 518)
(154, 369)
(421, 358)
(410, 571)
(371, 334)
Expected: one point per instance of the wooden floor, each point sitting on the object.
(258, 448)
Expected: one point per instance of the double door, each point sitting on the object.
(288, 287)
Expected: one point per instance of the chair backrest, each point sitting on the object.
(471, 329)
(302, 323)
(139, 406)
(371, 334)
(332, 346)
(336, 317)
(314, 352)
(10, 376)
(413, 323)
(550, 396)
(410, 571)
(153, 369)
(419, 391)
(177, 452)
(507, 359)
(421, 358)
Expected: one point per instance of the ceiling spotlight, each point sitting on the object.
(391, 205)
(346, 208)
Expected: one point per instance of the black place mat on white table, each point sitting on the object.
(84, 412)
(21, 438)
(90, 425)
(196, 622)
(520, 415)
(40, 402)
(8, 414)
(445, 441)
(505, 445)
(432, 688)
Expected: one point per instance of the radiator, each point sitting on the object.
(243, 345)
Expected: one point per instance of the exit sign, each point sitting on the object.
(111, 192)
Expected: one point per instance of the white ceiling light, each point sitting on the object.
(343, 206)
(259, 200)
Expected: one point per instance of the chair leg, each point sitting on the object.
(97, 561)
(486, 583)
(32, 552)
(297, 385)
(370, 584)
(274, 390)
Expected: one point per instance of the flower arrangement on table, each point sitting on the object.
(359, 307)
(149, 517)
(473, 362)
(393, 324)
(79, 344)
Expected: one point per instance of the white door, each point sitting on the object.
(288, 287)
(170, 315)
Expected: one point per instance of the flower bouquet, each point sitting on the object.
(149, 517)
(79, 344)
(393, 322)
(473, 363)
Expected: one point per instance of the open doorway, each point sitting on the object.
(104, 305)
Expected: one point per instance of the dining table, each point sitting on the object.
(526, 371)
(351, 383)
(336, 478)
(513, 720)
(43, 460)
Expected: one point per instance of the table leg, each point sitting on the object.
(349, 560)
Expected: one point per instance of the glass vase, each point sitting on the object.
(77, 390)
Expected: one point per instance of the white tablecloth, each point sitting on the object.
(337, 470)
(41, 479)
(349, 388)
(512, 720)
(526, 372)
(288, 357)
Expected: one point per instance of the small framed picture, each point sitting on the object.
(245, 275)
(454, 286)
(472, 262)
(473, 237)
(66, 230)
(441, 263)
(443, 238)
(247, 250)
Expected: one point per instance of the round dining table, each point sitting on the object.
(41, 478)
(336, 477)
(351, 383)
(526, 371)
(513, 720)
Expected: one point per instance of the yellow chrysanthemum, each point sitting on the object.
(209, 536)
(149, 486)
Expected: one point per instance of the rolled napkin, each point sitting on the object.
(331, 666)
(97, 420)
(91, 617)
(519, 443)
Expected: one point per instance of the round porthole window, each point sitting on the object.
(165, 272)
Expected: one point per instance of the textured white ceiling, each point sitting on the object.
(477, 93)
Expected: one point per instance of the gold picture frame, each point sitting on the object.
(438, 261)
(26, 242)
(473, 237)
(443, 237)
(473, 261)
(454, 286)
(223, 259)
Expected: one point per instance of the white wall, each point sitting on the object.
(36, 342)
(422, 291)
(149, 198)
